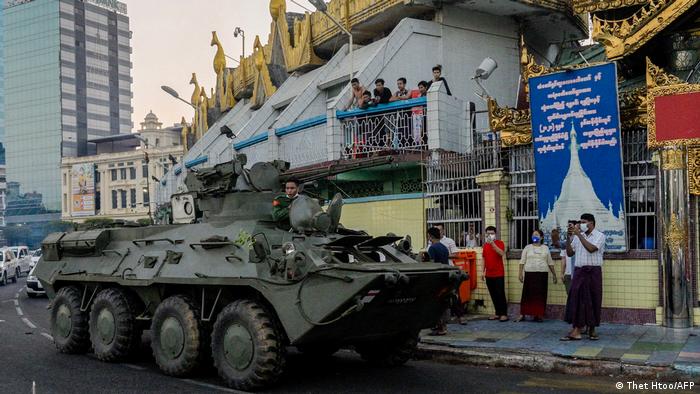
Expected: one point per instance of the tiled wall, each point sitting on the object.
(399, 216)
(629, 284)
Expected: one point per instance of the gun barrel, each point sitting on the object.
(334, 168)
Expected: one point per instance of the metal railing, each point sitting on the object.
(397, 130)
(454, 198)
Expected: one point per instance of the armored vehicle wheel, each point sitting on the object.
(247, 347)
(69, 325)
(390, 353)
(177, 336)
(114, 332)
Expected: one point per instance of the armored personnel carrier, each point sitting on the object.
(225, 283)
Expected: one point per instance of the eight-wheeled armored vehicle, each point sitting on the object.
(225, 283)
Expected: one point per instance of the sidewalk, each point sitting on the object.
(650, 351)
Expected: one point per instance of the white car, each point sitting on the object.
(24, 260)
(8, 267)
(34, 287)
(36, 255)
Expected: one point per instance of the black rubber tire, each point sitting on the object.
(31, 295)
(187, 313)
(127, 334)
(389, 353)
(78, 341)
(3, 281)
(268, 358)
(18, 273)
(14, 278)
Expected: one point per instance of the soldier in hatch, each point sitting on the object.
(281, 203)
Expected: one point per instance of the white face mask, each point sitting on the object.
(490, 237)
(584, 227)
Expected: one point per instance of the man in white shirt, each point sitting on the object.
(585, 300)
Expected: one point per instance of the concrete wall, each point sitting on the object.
(382, 215)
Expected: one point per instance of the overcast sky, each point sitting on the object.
(171, 41)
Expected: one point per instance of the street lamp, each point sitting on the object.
(172, 92)
(239, 32)
(321, 6)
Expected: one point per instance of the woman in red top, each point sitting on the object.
(494, 273)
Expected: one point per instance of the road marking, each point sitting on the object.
(28, 323)
(16, 302)
(47, 336)
(212, 386)
(136, 367)
(19, 311)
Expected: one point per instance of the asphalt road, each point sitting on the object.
(28, 356)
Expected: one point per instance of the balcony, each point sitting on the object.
(398, 127)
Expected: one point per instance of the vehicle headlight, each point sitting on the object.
(288, 248)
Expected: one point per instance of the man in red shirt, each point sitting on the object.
(494, 273)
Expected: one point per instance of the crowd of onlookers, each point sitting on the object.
(581, 253)
(362, 98)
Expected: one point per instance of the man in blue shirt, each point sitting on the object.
(437, 251)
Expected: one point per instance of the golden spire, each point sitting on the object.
(220, 57)
(194, 100)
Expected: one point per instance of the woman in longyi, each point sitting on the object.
(535, 264)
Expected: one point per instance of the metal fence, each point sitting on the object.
(396, 131)
(454, 197)
(522, 213)
(640, 189)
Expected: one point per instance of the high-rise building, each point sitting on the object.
(67, 81)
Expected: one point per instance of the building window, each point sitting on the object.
(166, 168)
(640, 189)
(114, 174)
(123, 196)
(122, 173)
(144, 170)
(157, 141)
(64, 180)
(132, 172)
(65, 203)
(132, 193)
(98, 204)
(146, 197)
(114, 199)
(523, 196)
(97, 177)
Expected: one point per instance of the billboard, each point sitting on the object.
(578, 150)
(82, 180)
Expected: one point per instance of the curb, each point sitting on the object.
(546, 362)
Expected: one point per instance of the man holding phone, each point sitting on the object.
(585, 300)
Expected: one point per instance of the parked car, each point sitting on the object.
(24, 260)
(8, 267)
(34, 287)
(36, 255)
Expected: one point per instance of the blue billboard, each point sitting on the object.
(578, 150)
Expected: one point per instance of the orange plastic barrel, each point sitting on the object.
(466, 261)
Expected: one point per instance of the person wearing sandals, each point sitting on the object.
(535, 263)
(494, 273)
(585, 299)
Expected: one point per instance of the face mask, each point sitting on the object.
(490, 237)
(536, 240)
(584, 227)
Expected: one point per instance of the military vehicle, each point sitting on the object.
(225, 283)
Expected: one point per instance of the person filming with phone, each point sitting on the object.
(585, 300)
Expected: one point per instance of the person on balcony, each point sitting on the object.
(366, 101)
(535, 261)
(422, 89)
(402, 93)
(356, 92)
(437, 76)
(382, 95)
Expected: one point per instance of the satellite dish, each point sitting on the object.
(334, 211)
